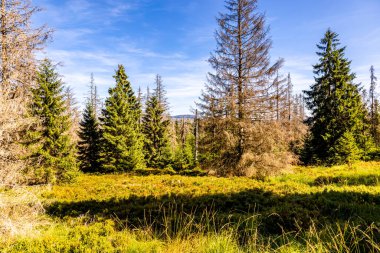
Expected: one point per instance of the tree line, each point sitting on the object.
(248, 120)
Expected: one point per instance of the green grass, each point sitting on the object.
(309, 209)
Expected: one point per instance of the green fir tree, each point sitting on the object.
(345, 149)
(89, 144)
(122, 141)
(51, 146)
(155, 129)
(184, 153)
(335, 103)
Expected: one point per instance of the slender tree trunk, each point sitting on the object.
(196, 134)
(240, 82)
(3, 45)
(277, 99)
(289, 97)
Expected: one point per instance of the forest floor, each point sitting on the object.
(311, 209)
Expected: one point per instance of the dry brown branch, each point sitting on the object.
(19, 42)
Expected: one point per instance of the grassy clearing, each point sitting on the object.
(310, 209)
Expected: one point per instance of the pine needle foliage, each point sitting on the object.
(122, 141)
(337, 111)
(89, 144)
(184, 148)
(53, 151)
(155, 129)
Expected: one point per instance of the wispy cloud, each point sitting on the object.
(174, 38)
(82, 7)
(184, 78)
(118, 8)
(301, 70)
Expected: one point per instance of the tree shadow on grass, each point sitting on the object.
(367, 180)
(276, 213)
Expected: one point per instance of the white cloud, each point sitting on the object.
(301, 71)
(79, 6)
(299, 63)
(183, 77)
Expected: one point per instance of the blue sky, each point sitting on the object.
(174, 38)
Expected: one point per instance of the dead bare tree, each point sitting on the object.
(18, 44)
(244, 98)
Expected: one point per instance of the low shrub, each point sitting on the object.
(367, 180)
(373, 155)
(151, 171)
(196, 172)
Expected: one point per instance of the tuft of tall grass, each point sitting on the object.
(184, 233)
(123, 213)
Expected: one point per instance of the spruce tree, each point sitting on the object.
(184, 153)
(53, 151)
(122, 141)
(155, 129)
(89, 132)
(335, 103)
(89, 144)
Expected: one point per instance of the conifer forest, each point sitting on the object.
(256, 165)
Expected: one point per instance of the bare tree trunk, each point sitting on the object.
(3, 46)
(240, 81)
(196, 134)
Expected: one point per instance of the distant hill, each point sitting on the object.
(185, 116)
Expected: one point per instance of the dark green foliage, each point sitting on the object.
(373, 155)
(345, 149)
(337, 128)
(184, 155)
(185, 149)
(52, 149)
(155, 130)
(89, 145)
(195, 172)
(122, 142)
